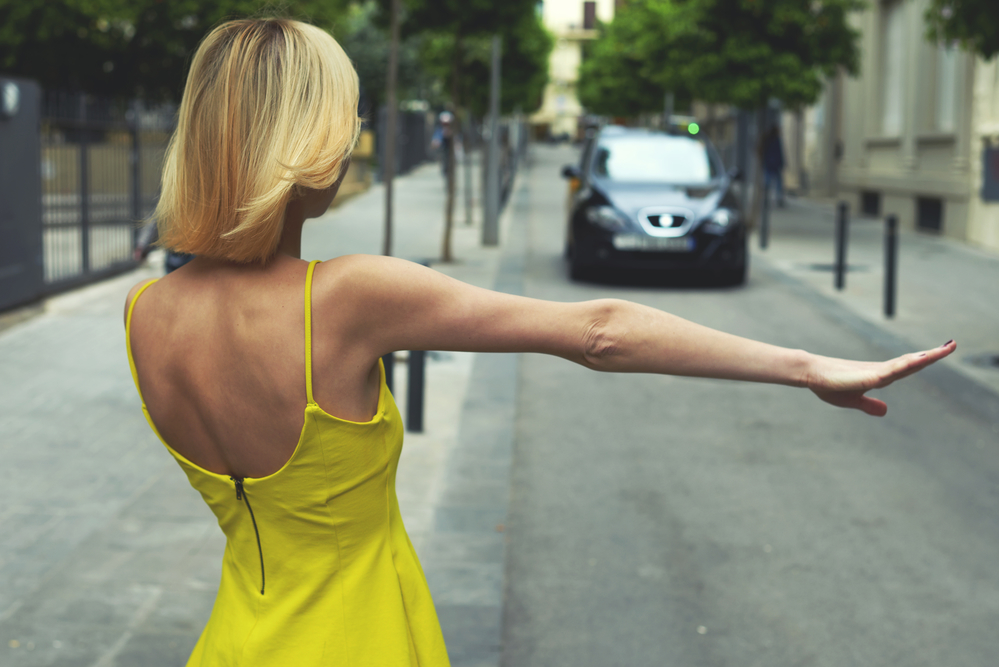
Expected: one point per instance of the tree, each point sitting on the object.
(362, 35)
(974, 24)
(452, 28)
(747, 52)
(739, 52)
(523, 66)
(124, 48)
(612, 81)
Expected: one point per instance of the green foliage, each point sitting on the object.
(362, 36)
(740, 52)
(455, 48)
(611, 78)
(974, 24)
(125, 47)
(526, 46)
(463, 18)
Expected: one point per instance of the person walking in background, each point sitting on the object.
(773, 163)
(147, 238)
(443, 139)
(261, 373)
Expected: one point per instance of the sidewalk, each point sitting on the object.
(945, 289)
(109, 558)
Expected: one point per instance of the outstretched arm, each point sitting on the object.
(421, 309)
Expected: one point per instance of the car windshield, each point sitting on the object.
(654, 158)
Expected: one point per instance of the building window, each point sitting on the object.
(892, 68)
(947, 64)
(870, 203)
(929, 214)
(589, 16)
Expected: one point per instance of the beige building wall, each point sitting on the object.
(560, 108)
(911, 128)
(983, 217)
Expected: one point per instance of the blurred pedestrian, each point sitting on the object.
(443, 139)
(261, 373)
(148, 236)
(773, 163)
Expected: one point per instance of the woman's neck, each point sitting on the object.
(291, 233)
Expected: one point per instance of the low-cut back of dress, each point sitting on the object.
(318, 568)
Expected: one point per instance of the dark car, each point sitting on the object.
(658, 201)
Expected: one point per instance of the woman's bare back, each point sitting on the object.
(219, 350)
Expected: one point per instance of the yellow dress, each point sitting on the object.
(318, 568)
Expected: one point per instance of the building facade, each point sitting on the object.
(911, 134)
(572, 23)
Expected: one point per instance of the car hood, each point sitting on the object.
(632, 198)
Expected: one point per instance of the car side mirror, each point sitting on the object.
(735, 174)
(570, 171)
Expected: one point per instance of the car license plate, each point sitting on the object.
(654, 243)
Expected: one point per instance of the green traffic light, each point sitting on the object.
(693, 128)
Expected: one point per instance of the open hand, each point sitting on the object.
(844, 383)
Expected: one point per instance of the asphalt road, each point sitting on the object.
(672, 521)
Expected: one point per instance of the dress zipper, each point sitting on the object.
(241, 495)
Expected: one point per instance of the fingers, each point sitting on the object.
(907, 364)
(872, 406)
(850, 393)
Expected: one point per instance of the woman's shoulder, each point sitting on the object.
(134, 293)
(368, 287)
(361, 274)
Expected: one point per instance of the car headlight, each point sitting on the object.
(607, 217)
(723, 217)
(720, 220)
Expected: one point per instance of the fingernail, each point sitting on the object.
(947, 343)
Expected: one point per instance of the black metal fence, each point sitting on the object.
(100, 170)
(413, 137)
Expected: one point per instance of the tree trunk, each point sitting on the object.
(388, 169)
(466, 143)
(451, 172)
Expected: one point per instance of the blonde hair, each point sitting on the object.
(270, 108)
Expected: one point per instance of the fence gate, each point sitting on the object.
(100, 170)
(20, 215)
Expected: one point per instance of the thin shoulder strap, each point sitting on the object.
(128, 338)
(308, 331)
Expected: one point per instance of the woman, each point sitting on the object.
(260, 372)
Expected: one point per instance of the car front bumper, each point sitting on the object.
(709, 253)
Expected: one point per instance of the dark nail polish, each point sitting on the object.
(923, 354)
(947, 343)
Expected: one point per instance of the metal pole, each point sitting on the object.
(388, 168)
(668, 110)
(84, 201)
(842, 211)
(136, 174)
(765, 219)
(490, 227)
(891, 263)
(742, 158)
(414, 391)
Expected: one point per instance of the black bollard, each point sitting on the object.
(414, 391)
(388, 361)
(765, 220)
(841, 223)
(891, 263)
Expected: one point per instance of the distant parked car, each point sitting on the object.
(654, 200)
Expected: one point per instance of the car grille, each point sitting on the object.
(665, 221)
